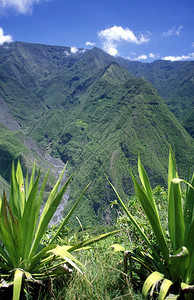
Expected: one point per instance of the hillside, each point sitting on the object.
(174, 82)
(87, 109)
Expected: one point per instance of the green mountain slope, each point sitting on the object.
(103, 132)
(174, 82)
(86, 109)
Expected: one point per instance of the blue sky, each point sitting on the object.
(143, 30)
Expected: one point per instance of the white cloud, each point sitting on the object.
(135, 57)
(173, 31)
(190, 56)
(152, 55)
(67, 53)
(179, 30)
(141, 57)
(4, 38)
(21, 6)
(111, 49)
(90, 44)
(111, 37)
(74, 50)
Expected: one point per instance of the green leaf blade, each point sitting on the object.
(175, 209)
(165, 286)
(48, 211)
(152, 215)
(152, 279)
(17, 283)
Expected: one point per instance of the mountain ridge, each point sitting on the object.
(89, 110)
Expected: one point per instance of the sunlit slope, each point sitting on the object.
(104, 131)
(86, 109)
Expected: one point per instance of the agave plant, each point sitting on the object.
(22, 254)
(171, 262)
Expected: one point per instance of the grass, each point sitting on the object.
(104, 271)
(103, 264)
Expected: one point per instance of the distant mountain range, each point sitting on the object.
(97, 112)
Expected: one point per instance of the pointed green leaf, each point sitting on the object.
(90, 241)
(31, 179)
(20, 181)
(146, 184)
(66, 256)
(66, 219)
(17, 283)
(179, 262)
(130, 216)
(7, 224)
(39, 199)
(5, 259)
(190, 246)
(152, 214)
(28, 220)
(14, 193)
(172, 297)
(35, 260)
(178, 180)
(175, 209)
(189, 207)
(48, 211)
(28, 275)
(156, 259)
(165, 286)
(151, 281)
(185, 286)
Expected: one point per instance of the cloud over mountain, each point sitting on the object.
(190, 56)
(4, 38)
(74, 50)
(113, 36)
(90, 44)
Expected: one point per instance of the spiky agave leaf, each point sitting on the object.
(17, 283)
(178, 267)
(175, 208)
(22, 228)
(156, 258)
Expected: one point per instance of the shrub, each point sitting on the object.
(23, 256)
(171, 260)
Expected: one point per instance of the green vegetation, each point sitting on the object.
(174, 82)
(103, 269)
(96, 112)
(11, 148)
(23, 255)
(169, 258)
(21, 232)
(104, 132)
(36, 257)
(90, 111)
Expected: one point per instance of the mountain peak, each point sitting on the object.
(115, 74)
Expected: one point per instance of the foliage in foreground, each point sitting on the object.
(23, 256)
(102, 269)
(171, 260)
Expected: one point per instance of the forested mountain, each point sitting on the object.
(87, 108)
(174, 82)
